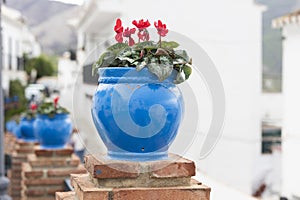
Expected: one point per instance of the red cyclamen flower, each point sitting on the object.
(141, 25)
(143, 35)
(55, 101)
(119, 37)
(161, 28)
(119, 30)
(33, 106)
(118, 27)
(127, 33)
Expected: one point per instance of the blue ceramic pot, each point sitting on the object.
(17, 131)
(53, 132)
(136, 115)
(10, 125)
(27, 129)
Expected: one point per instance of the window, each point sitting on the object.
(271, 138)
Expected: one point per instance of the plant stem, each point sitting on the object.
(159, 41)
(139, 37)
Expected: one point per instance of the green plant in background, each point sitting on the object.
(44, 65)
(16, 89)
(161, 57)
(51, 108)
(30, 113)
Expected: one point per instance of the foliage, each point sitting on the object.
(161, 57)
(30, 112)
(42, 64)
(16, 89)
(51, 108)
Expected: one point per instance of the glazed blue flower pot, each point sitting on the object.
(27, 129)
(136, 115)
(53, 132)
(17, 131)
(10, 125)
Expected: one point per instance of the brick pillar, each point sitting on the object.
(45, 172)
(19, 156)
(9, 143)
(157, 180)
(9, 147)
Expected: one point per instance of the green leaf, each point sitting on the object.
(108, 59)
(179, 79)
(182, 54)
(187, 70)
(162, 71)
(140, 65)
(130, 60)
(161, 51)
(116, 48)
(169, 45)
(145, 45)
(126, 52)
(98, 63)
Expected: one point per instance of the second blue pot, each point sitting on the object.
(27, 130)
(53, 132)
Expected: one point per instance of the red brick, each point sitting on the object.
(50, 163)
(53, 152)
(114, 169)
(194, 192)
(86, 190)
(52, 190)
(24, 151)
(64, 172)
(35, 192)
(65, 195)
(178, 168)
(65, 152)
(33, 174)
(39, 198)
(41, 182)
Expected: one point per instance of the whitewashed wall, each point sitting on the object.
(291, 128)
(22, 41)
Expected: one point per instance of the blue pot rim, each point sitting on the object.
(25, 119)
(131, 75)
(56, 116)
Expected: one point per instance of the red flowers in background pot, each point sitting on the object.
(51, 108)
(33, 107)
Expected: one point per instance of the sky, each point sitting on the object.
(78, 2)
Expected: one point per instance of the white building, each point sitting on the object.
(291, 129)
(16, 40)
(230, 33)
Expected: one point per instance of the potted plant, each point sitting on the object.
(53, 125)
(137, 107)
(26, 124)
